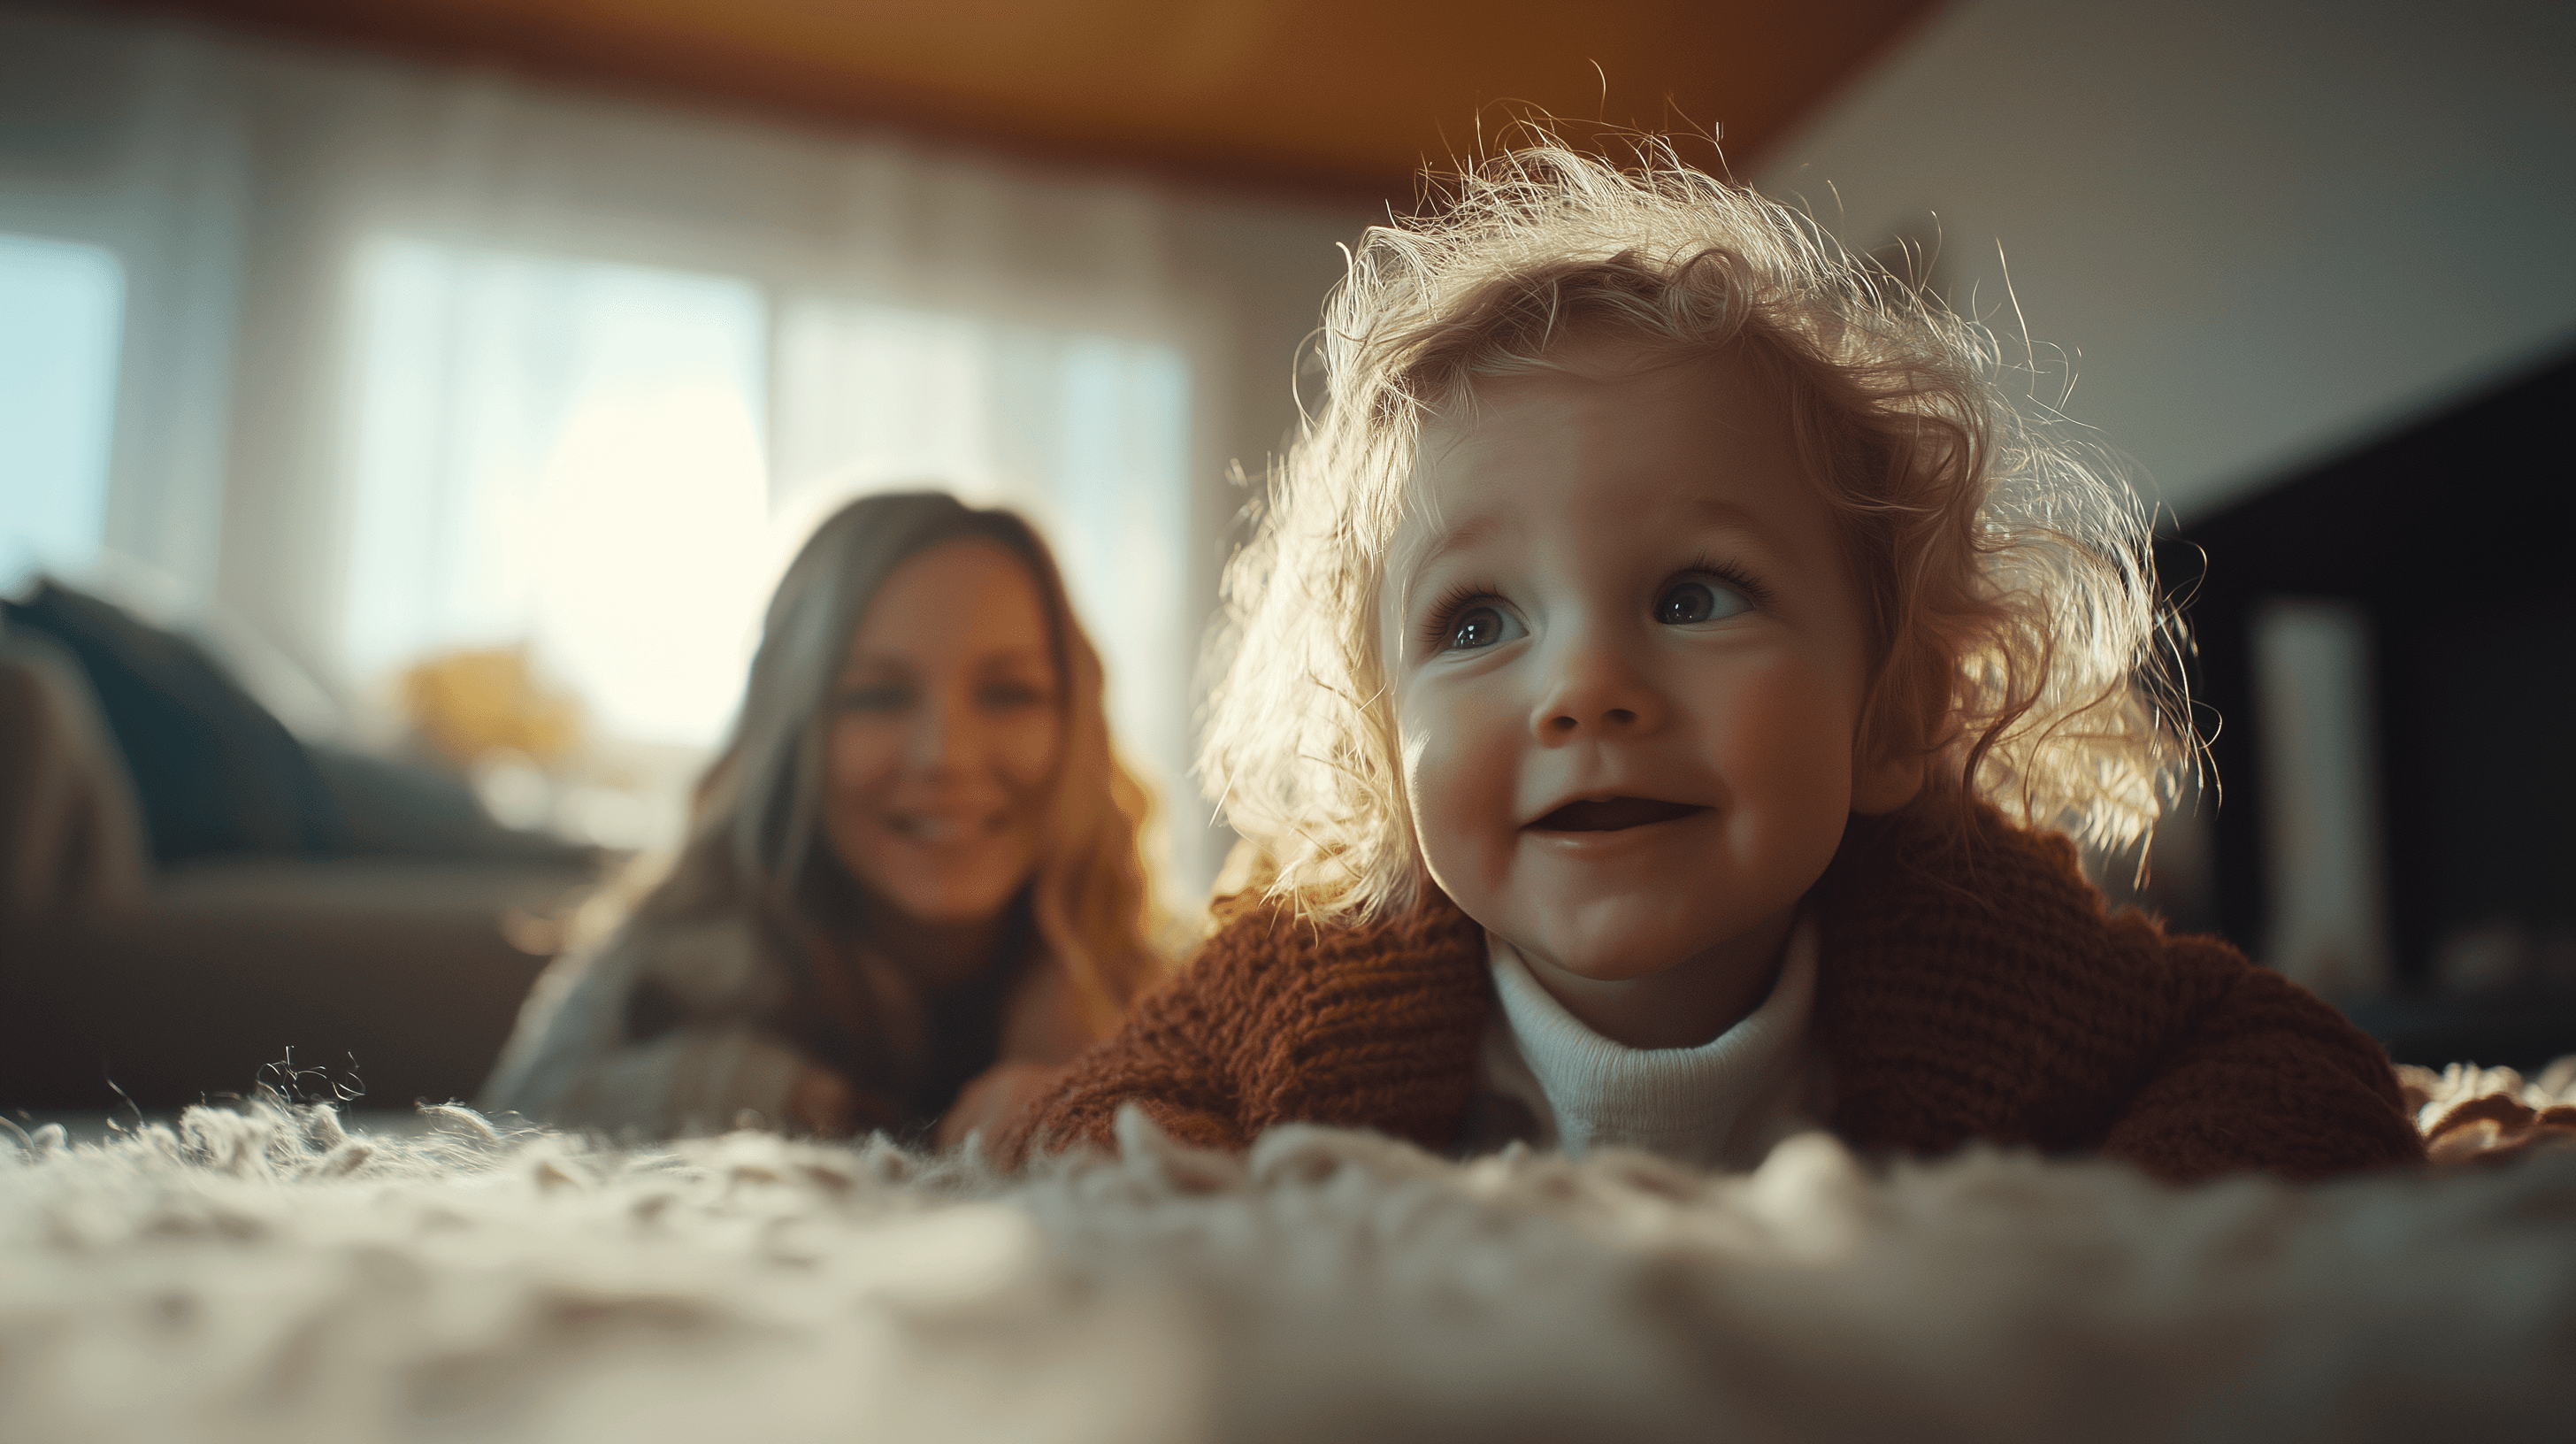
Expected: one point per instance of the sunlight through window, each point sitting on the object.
(565, 453)
(61, 314)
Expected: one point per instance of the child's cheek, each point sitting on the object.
(1783, 744)
(1460, 767)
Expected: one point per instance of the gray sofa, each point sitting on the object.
(122, 979)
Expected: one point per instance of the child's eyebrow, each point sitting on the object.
(1418, 558)
(1727, 513)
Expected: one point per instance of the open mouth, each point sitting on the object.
(1613, 814)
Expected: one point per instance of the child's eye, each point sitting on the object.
(1481, 626)
(1698, 600)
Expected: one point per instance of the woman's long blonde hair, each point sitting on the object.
(756, 847)
(2017, 642)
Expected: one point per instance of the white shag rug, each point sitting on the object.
(259, 1275)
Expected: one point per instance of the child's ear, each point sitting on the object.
(1886, 781)
(1888, 768)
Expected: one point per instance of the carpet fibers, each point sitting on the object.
(258, 1273)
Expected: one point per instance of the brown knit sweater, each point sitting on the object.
(1969, 988)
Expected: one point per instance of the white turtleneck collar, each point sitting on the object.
(1721, 1104)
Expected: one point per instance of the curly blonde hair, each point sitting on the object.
(2016, 641)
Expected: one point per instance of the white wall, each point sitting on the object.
(2261, 232)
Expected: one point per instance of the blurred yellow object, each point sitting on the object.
(463, 705)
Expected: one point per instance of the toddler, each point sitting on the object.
(1662, 685)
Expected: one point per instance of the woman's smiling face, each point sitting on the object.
(944, 731)
(1628, 662)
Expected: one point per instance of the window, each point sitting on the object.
(564, 453)
(61, 317)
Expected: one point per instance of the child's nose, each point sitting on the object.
(1599, 692)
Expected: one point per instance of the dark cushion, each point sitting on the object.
(214, 771)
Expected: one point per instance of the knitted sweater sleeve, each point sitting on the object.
(2267, 1077)
(1282, 1019)
(1174, 1058)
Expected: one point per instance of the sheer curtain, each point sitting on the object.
(466, 360)
(61, 308)
(565, 454)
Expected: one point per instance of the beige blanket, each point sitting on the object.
(261, 1275)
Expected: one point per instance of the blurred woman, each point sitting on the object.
(912, 888)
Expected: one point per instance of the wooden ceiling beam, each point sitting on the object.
(1338, 99)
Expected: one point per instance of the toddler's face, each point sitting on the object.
(1628, 661)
